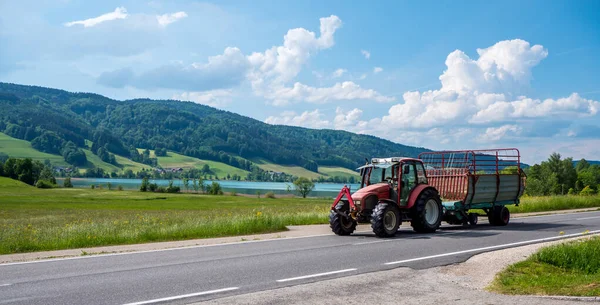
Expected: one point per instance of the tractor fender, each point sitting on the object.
(414, 195)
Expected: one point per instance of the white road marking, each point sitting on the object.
(493, 247)
(584, 218)
(315, 275)
(178, 297)
(4, 285)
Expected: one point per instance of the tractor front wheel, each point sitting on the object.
(341, 225)
(427, 212)
(385, 220)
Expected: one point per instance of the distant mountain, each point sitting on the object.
(66, 123)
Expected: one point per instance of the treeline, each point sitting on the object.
(557, 176)
(183, 127)
(27, 171)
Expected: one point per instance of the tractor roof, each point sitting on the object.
(387, 162)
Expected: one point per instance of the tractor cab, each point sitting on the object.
(399, 175)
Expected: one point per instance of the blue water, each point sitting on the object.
(241, 187)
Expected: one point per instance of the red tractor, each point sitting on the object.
(395, 190)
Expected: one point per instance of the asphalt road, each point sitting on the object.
(181, 276)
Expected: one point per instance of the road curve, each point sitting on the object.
(185, 275)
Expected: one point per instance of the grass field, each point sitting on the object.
(337, 171)
(35, 220)
(22, 149)
(567, 269)
(124, 163)
(176, 160)
(297, 171)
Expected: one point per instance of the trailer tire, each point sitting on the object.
(339, 224)
(385, 219)
(428, 202)
(499, 216)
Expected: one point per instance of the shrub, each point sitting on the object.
(43, 184)
(172, 189)
(258, 194)
(92, 186)
(571, 191)
(109, 186)
(145, 185)
(270, 195)
(587, 191)
(215, 189)
(119, 187)
(152, 187)
(67, 182)
(160, 189)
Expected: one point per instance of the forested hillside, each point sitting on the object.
(61, 122)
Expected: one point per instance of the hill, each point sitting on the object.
(53, 120)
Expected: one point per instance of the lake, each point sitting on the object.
(241, 187)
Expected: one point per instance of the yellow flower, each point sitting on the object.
(561, 233)
(258, 214)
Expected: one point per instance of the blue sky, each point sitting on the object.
(438, 74)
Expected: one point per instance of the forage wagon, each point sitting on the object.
(435, 187)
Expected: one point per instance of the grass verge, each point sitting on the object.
(38, 220)
(571, 269)
(555, 203)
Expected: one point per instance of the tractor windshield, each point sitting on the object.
(376, 175)
(373, 173)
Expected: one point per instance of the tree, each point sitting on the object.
(582, 164)
(186, 184)
(145, 184)
(46, 175)
(205, 169)
(303, 186)
(67, 182)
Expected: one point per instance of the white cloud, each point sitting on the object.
(166, 19)
(214, 98)
(340, 91)
(338, 73)
(377, 70)
(486, 91)
(349, 120)
(312, 119)
(366, 54)
(275, 69)
(118, 13)
(362, 77)
(494, 134)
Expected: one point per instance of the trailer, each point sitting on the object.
(487, 180)
(435, 187)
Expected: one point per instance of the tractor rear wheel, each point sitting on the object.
(427, 212)
(499, 216)
(340, 224)
(385, 219)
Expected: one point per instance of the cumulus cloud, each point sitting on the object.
(118, 13)
(485, 93)
(273, 70)
(166, 19)
(377, 70)
(214, 98)
(340, 91)
(344, 120)
(366, 54)
(312, 119)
